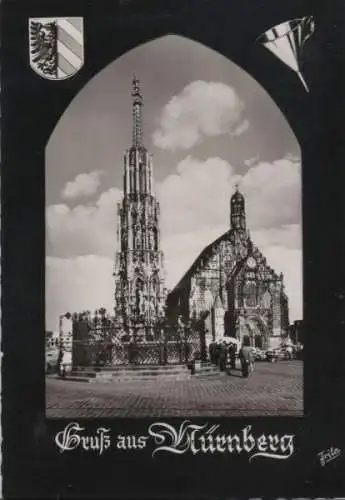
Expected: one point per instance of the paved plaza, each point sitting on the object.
(273, 389)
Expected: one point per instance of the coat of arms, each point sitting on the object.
(56, 46)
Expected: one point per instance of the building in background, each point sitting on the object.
(66, 341)
(296, 332)
(52, 340)
(52, 349)
(232, 289)
(140, 293)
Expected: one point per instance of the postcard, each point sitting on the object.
(172, 255)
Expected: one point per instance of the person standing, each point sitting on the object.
(211, 351)
(232, 353)
(59, 363)
(246, 358)
(251, 361)
(217, 352)
(222, 358)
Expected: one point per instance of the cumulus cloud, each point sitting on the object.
(273, 193)
(194, 211)
(84, 229)
(83, 185)
(288, 235)
(242, 127)
(76, 284)
(251, 161)
(196, 196)
(200, 109)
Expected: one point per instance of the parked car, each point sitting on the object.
(287, 352)
(273, 355)
(260, 355)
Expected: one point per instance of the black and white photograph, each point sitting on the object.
(173, 242)
(172, 252)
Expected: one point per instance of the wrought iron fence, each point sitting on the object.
(89, 352)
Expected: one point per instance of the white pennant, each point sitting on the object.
(286, 42)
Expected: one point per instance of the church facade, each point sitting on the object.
(140, 293)
(232, 289)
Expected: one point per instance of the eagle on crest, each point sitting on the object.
(43, 46)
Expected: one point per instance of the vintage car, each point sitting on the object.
(260, 355)
(273, 355)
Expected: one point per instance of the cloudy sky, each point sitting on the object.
(208, 125)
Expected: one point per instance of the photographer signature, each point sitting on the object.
(329, 455)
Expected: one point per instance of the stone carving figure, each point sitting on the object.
(141, 302)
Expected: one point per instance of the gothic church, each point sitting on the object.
(232, 289)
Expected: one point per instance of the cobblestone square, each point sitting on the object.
(274, 389)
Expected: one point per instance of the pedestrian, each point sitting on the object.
(232, 353)
(222, 358)
(98, 358)
(251, 362)
(59, 363)
(211, 351)
(217, 351)
(246, 358)
(289, 352)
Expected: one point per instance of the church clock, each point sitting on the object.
(251, 263)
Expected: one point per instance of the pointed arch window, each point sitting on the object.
(266, 300)
(250, 294)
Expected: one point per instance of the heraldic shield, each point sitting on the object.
(56, 46)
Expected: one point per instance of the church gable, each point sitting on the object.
(212, 269)
(231, 271)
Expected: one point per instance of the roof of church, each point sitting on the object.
(207, 252)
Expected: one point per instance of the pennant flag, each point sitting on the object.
(286, 41)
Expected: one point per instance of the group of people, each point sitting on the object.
(220, 352)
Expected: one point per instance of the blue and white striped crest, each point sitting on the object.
(56, 46)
